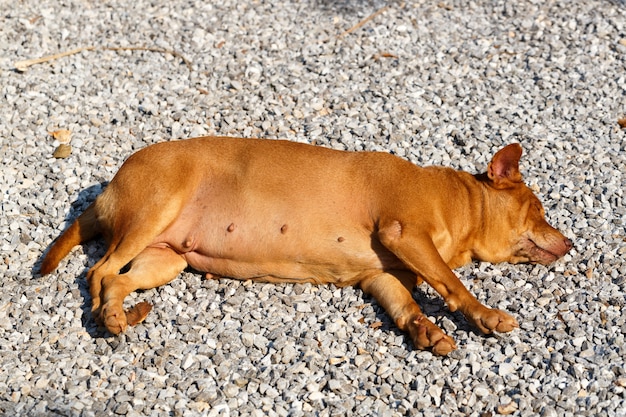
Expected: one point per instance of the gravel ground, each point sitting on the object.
(435, 82)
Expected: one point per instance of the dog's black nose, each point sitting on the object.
(568, 244)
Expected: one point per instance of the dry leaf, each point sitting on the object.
(22, 66)
(335, 361)
(324, 112)
(62, 151)
(62, 135)
(376, 324)
(622, 122)
(620, 382)
(384, 55)
(507, 409)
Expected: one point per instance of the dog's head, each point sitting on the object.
(517, 229)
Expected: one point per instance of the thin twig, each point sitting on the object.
(22, 66)
(160, 50)
(364, 21)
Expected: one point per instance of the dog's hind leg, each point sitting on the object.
(129, 231)
(121, 251)
(151, 268)
(392, 290)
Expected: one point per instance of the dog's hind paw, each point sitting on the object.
(138, 313)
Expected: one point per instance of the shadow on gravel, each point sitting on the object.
(94, 250)
(431, 306)
(87, 320)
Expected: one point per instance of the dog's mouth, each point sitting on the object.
(545, 253)
(541, 255)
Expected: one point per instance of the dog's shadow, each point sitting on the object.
(94, 250)
(432, 306)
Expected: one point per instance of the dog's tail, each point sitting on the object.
(84, 228)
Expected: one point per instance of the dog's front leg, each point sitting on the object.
(418, 252)
(392, 290)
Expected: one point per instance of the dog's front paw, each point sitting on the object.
(426, 334)
(116, 320)
(493, 320)
(113, 317)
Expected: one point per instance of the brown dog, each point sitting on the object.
(288, 212)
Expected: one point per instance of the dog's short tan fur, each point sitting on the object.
(287, 212)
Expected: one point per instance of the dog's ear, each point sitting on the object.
(503, 169)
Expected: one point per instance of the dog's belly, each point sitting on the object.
(267, 247)
(273, 270)
(339, 259)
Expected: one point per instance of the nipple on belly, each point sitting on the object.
(188, 244)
